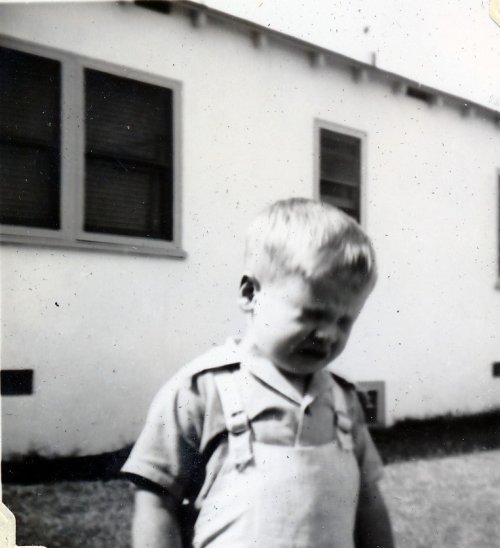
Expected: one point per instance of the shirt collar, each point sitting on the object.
(270, 375)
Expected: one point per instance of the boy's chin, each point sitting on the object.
(305, 365)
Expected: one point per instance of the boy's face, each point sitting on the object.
(301, 326)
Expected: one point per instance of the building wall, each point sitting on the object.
(125, 323)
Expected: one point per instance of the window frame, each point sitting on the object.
(320, 124)
(72, 169)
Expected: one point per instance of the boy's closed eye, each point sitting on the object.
(316, 315)
(320, 315)
(345, 322)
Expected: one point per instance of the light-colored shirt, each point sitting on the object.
(184, 441)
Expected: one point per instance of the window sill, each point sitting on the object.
(148, 248)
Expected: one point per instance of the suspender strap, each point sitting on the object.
(343, 421)
(236, 419)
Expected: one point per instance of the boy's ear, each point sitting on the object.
(248, 288)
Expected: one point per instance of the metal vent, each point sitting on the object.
(161, 6)
(17, 382)
(372, 397)
(420, 94)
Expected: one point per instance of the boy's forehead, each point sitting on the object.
(317, 292)
(326, 293)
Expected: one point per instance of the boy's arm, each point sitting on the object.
(373, 526)
(155, 523)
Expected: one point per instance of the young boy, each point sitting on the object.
(268, 446)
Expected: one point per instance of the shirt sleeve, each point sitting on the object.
(370, 463)
(167, 450)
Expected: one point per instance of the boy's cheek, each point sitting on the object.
(340, 347)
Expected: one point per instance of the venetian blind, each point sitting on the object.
(340, 171)
(29, 139)
(129, 157)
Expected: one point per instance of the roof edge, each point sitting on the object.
(200, 14)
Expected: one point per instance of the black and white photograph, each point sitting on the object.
(250, 274)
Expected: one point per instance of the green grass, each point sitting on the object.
(451, 502)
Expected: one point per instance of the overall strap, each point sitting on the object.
(343, 421)
(236, 419)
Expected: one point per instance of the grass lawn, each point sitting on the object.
(450, 502)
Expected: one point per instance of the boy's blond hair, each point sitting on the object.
(309, 238)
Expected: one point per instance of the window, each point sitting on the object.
(29, 140)
(88, 154)
(340, 170)
(128, 157)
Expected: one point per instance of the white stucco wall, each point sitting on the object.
(125, 323)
